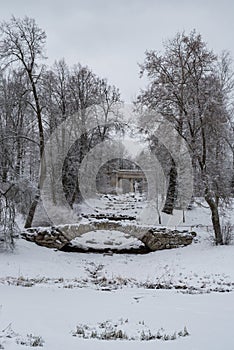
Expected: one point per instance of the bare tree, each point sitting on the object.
(79, 92)
(185, 89)
(89, 92)
(34, 101)
(227, 82)
(22, 44)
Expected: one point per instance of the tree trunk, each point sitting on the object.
(83, 150)
(215, 219)
(232, 181)
(34, 204)
(171, 191)
(32, 210)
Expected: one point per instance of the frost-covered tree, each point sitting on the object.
(22, 46)
(186, 89)
(19, 151)
(227, 81)
(80, 93)
(87, 92)
(35, 100)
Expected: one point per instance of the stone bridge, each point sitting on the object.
(154, 238)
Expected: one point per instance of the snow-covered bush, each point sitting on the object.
(124, 330)
(228, 233)
(30, 340)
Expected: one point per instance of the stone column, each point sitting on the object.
(131, 185)
(121, 185)
(116, 184)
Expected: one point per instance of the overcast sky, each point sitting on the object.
(111, 36)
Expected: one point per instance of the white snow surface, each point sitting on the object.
(48, 293)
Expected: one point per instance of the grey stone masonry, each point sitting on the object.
(154, 238)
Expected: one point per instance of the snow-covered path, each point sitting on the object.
(53, 313)
(60, 292)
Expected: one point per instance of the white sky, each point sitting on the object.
(111, 36)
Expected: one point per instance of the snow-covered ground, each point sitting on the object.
(48, 294)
